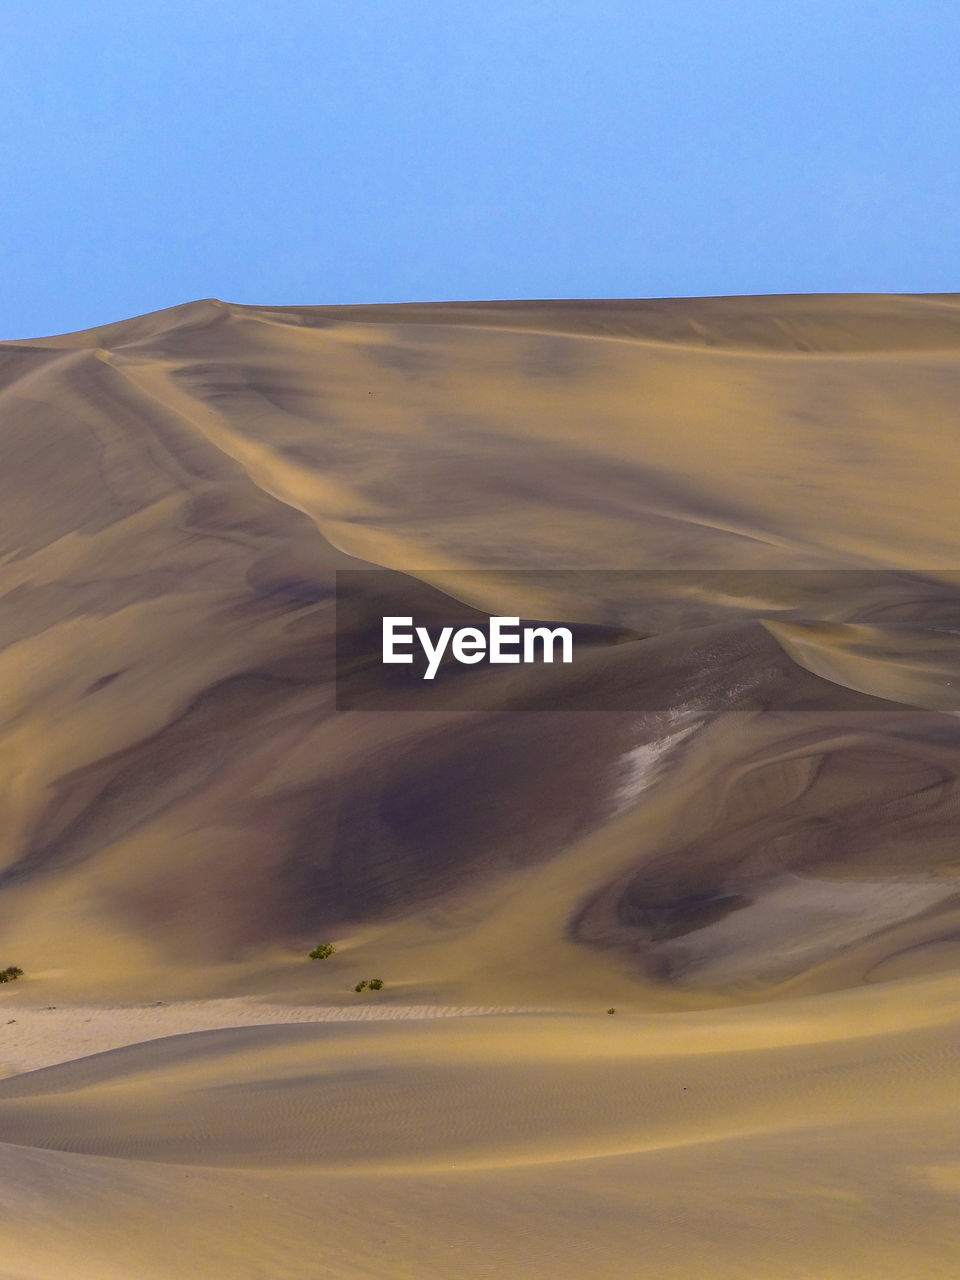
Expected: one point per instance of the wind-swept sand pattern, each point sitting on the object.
(528, 1144)
(750, 854)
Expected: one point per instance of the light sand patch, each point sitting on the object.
(796, 922)
(34, 1036)
(640, 768)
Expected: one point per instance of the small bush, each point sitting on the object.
(361, 986)
(376, 984)
(10, 974)
(322, 951)
(611, 1011)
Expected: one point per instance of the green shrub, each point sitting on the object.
(10, 974)
(376, 984)
(322, 951)
(611, 1011)
(361, 986)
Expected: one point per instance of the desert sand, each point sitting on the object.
(735, 824)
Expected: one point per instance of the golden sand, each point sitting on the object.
(759, 873)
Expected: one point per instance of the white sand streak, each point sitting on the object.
(640, 767)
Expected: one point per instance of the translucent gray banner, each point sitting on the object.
(647, 640)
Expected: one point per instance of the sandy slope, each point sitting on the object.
(778, 1141)
(758, 870)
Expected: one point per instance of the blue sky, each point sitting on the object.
(323, 151)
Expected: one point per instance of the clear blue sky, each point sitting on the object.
(308, 151)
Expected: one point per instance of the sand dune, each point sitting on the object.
(736, 825)
(531, 1089)
(181, 488)
(531, 1144)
